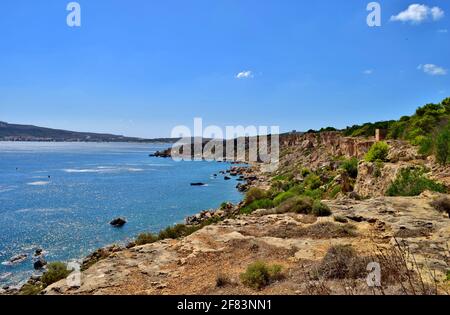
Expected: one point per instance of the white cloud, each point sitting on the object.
(417, 13)
(245, 75)
(432, 69)
(368, 71)
(437, 13)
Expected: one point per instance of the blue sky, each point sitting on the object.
(141, 67)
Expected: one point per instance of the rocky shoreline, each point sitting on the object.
(247, 176)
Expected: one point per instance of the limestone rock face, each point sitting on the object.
(314, 151)
(374, 179)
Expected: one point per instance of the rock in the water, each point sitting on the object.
(39, 264)
(197, 184)
(227, 178)
(119, 222)
(17, 259)
(38, 252)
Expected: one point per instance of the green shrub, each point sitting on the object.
(30, 289)
(443, 146)
(412, 182)
(179, 231)
(336, 190)
(297, 189)
(300, 204)
(174, 232)
(259, 274)
(378, 152)
(426, 145)
(257, 204)
(146, 238)
(56, 271)
(313, 182)
(284, 177)
(224, 205)
(351, 167)
(283, 197)
(320, 209)
(254, 194)
(448, 275)
(315, 194)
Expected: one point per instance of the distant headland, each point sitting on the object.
(16, 132)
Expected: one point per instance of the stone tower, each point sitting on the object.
(380, 135)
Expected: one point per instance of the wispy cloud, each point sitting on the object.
(245, 75)
(368, 72)
(444, 30)
(417, 13)
(432, 69)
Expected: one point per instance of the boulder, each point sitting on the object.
(17, 259)
(227, 178)
(197, 184)
(119, 222)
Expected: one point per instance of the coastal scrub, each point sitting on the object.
(259, 274)
(412, 182)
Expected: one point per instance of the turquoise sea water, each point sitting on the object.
(61, 197)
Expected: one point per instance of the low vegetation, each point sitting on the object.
(257, 204)
(31, 289)
(55, 271)
(298, 204)
(259, 274)
(254, 194)
(222, 280)
(320, 209)
(288, 194)
(351, 167)
(145, 238)
(412, 182)
(378, 152)
(173, 232)
(342, 262)
(442, 146)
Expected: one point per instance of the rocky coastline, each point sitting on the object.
(359, 221)
(247, 176)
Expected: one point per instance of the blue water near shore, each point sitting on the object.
(68, 214)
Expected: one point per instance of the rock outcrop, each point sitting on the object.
(296, 242)
(118, 222)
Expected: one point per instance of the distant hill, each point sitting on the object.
(15, 132)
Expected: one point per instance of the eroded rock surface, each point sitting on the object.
(296, 242)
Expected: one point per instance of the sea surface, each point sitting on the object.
(60, 197)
